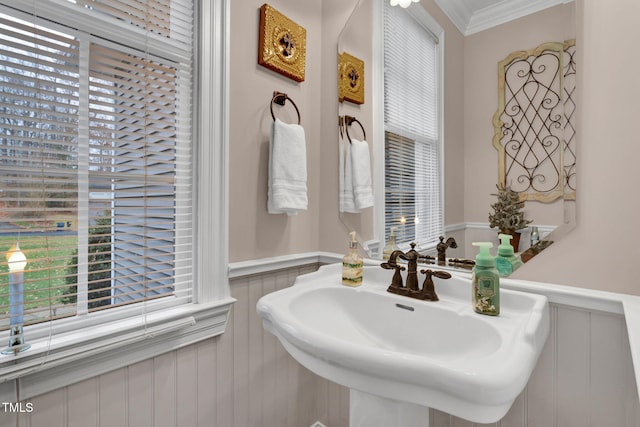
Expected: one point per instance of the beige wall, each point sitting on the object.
(482, 52)
(602, 252)
(608, 135)
(253, 233)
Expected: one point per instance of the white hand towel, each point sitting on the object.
(361, 174)
(287, 192)
(347, 201)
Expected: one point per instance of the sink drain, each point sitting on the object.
(405, 307)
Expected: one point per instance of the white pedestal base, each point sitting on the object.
(367, 410)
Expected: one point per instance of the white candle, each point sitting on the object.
(17, 263)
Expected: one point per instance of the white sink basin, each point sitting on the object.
(434, 354)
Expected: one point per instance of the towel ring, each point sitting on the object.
(348, 120)
(280, 98)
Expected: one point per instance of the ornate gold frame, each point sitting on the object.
(350, 78)
(282, 44)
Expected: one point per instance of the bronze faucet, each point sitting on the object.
(442, 249)
(411, 289)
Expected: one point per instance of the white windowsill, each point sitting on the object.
(84, 353)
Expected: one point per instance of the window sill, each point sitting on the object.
(84, 353)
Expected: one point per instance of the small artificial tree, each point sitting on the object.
(507, 216)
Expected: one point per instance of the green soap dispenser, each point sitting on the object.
(485, 281)
(352, 264)
(391, 244)
(507, 261)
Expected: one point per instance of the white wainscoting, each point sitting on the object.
(584, 377)
(245, 378)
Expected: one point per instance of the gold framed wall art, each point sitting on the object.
(350, 78)
(282, 44)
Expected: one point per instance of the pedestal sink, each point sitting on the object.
(399, 356)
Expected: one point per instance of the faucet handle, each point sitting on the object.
(441, 274)
(436, 273)
(426, 259)
(391, 266)
(428, 288)
(396, 285)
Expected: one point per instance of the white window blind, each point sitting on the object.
(413, 170)
(96, 153)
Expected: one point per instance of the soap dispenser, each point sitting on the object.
(391, 244)
(506, 261)
(352, 264)
(485, 282)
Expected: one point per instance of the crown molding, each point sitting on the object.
(473, 21)
(457, 11)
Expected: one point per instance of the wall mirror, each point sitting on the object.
(554, 219)
(355, 40)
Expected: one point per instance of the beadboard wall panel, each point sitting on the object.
(242, 378)
(245, 378)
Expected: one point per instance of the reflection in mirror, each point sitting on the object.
(356, 50)
(362, 37)
(413, 135)
(535, 128)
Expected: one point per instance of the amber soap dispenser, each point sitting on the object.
(352, 264)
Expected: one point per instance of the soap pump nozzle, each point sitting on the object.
(353, 244)
(505, 249)
(484, 258)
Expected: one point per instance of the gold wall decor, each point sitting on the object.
(282, 44)
(535, 122)
(350, 78)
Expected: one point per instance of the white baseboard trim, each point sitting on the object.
(455, 227)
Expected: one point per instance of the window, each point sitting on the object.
(97, 162)
(413, 188)
(95, 169)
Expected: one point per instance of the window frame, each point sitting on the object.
(74, 349)
(418, 12)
